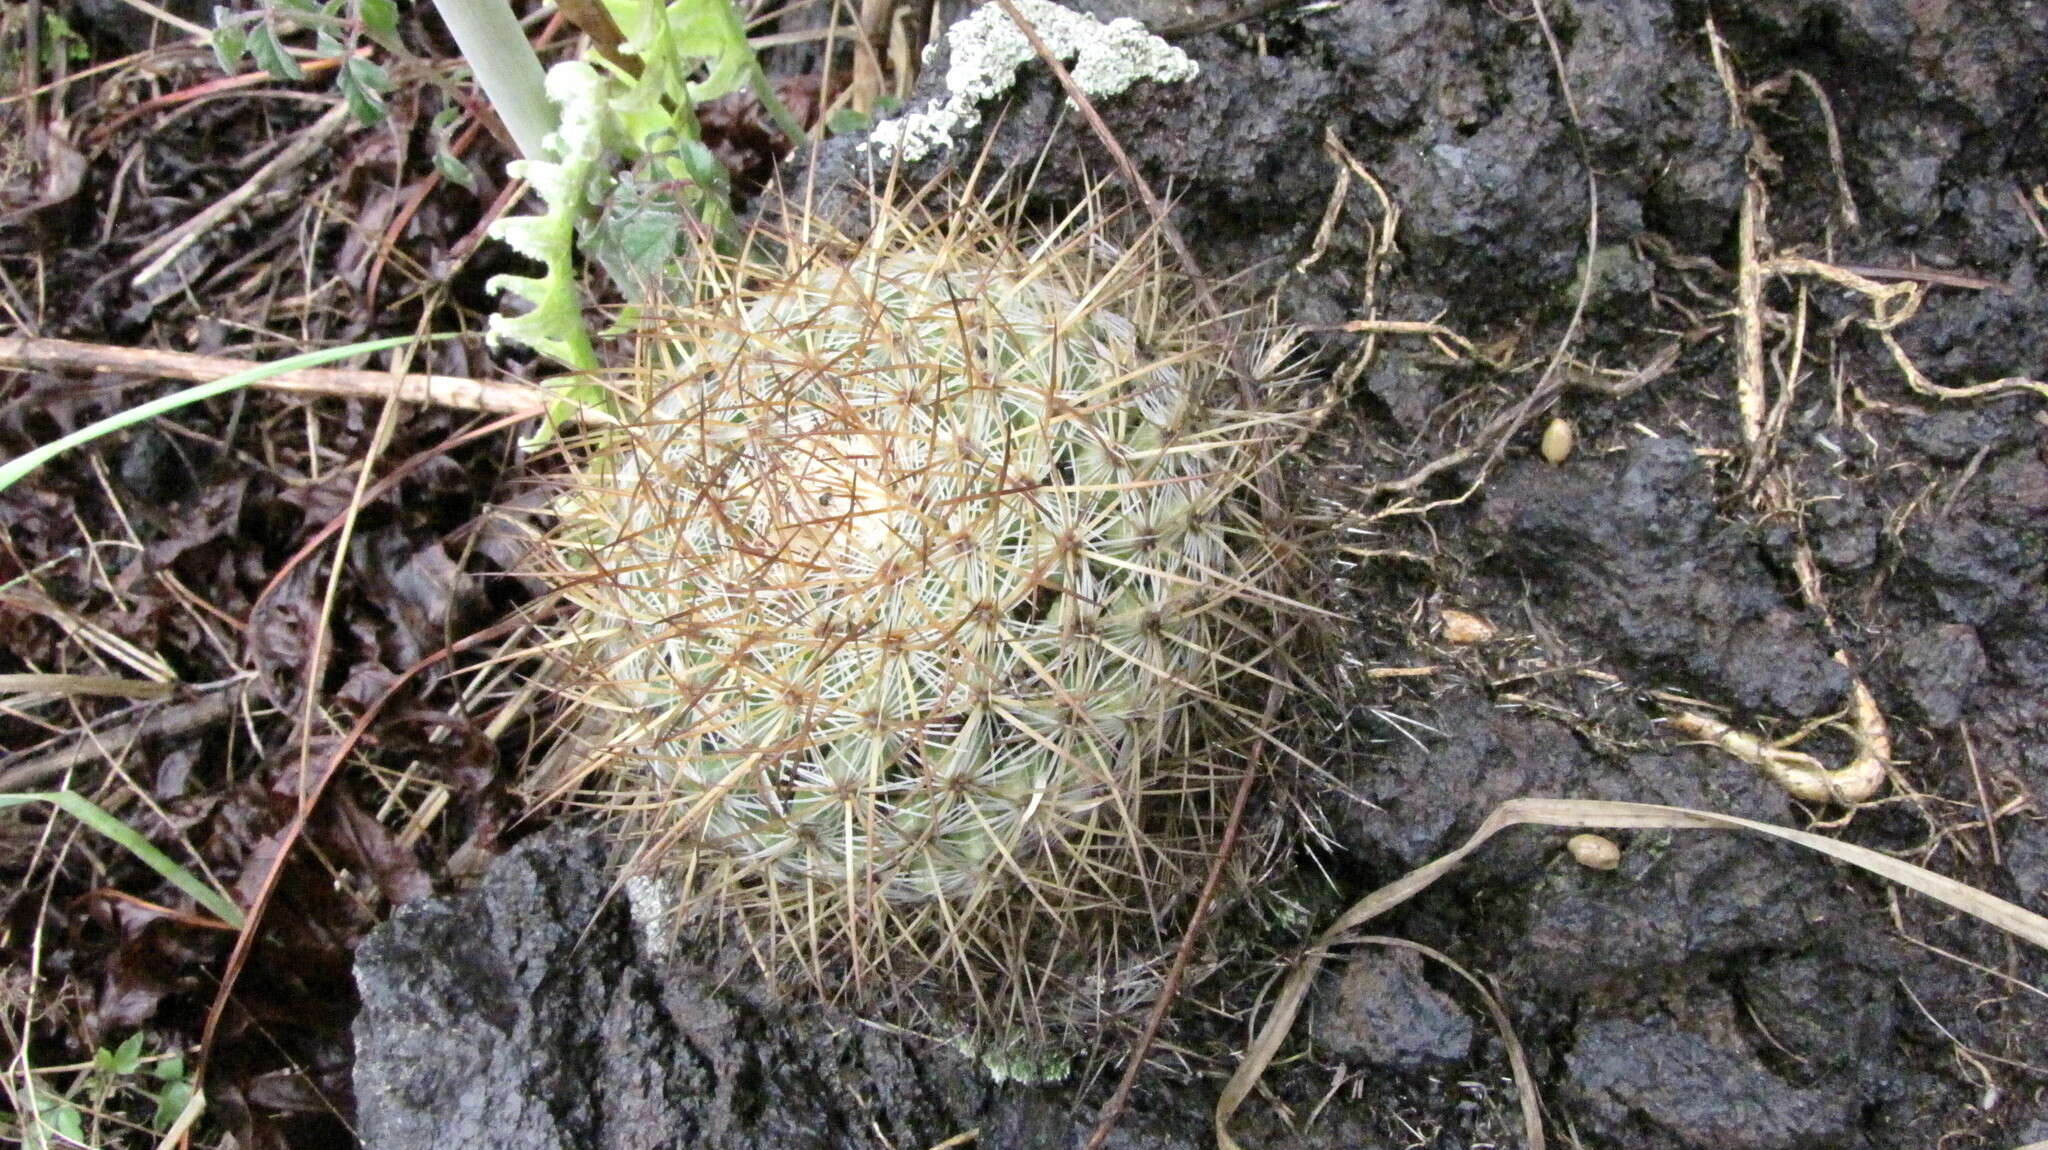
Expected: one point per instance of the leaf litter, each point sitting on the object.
(159, 545)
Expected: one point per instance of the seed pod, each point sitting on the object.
(1463, 628)
(1597, 852)
(1558, 440)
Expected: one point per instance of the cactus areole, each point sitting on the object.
(909, 591)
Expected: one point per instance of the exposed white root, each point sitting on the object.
(1803, 776)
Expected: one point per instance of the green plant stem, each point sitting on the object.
(121, 834)
(15, 469)
(505, 65)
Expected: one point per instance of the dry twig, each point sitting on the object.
(158, 254)
(176, 719)
(1114, 1108)
(439, 390)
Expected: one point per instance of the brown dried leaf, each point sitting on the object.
(355, 839)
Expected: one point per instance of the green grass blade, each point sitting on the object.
(123, 835)
(13, 470)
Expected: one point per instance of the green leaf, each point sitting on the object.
(848, 120)
(270, 55)
(453, 169)
(123, 1060)
(61, 41)
(553, 325)
(693, 51)
(363, 104)
(170, 1102)
(446, 161)
(362, 80)
(230, 40)
(704, 167)
(369, 73)
(636, 241)
(380, 20)
(169, 1068)
(61, 1118)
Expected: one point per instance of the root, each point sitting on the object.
(1760, 261)
(1803, 776)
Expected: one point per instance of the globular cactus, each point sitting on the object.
(908, 593)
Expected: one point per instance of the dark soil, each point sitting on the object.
(1713, 990)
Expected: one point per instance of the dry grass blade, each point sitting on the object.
(109, 686)
(1583, 814)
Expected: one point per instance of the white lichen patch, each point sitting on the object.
(651, 906)
(987, 48)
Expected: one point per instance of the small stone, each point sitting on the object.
(1386, 1014)
(1955, 435)
(1657, 1083)
(2026, 860)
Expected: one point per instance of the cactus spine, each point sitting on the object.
(908, 596)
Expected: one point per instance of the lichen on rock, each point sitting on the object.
(987, 48)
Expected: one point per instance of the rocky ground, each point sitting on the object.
(1714, 989)
(1585, 218)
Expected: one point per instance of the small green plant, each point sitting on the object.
(58, 42)
(338, 27)
(622, 169)
(615, 154)
(121, 1088)
(163, 1081)
(49, 1122)
(339, 31)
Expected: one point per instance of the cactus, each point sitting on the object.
(908, 596)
